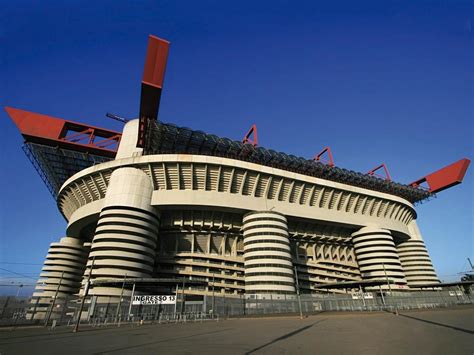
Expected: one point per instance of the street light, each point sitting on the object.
(19, 287)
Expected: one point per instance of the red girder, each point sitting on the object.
(329, 161)
(77, 137)
(254, 140)
(446, 177)
(51, 131)
(152, 84)
(387, 174)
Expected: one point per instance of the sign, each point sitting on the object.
(367, 296)
(154, 299)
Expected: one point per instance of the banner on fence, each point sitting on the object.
(154, 299)
(367, 296)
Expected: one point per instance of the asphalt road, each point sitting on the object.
(418, 332)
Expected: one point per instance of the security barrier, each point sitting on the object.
(15, 311)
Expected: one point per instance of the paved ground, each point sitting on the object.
(417, 332)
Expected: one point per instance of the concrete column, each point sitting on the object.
(128, 143)
(126, 234)
(377, 256)
(267, 256)
(61, 276)
(416, 262)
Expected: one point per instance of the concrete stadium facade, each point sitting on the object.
(242, 227)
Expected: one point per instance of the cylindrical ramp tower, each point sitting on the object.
(267, 255)
(125, 237)
(60, 277)
(377, 256)
(416, 263)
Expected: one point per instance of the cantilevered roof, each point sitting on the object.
(168, 138)
(59, 149)
(56, 164)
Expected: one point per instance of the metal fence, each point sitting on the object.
(22, 310)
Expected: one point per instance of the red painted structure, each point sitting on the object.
(50, 133)
(152, 84)
(446, 177)
(329, 161)
(385, 169)
(254, 140)
(56, 132)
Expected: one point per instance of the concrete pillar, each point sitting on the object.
(416, 262)
(267, 256)
(126, 234)
(60, 276)
(377, 256)
(128, 143)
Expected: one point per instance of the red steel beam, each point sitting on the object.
(152, 84)
(52, 131)
(330, 160)
(254, 140)
(446, 177)
(385, 169)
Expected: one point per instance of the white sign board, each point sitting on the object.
(367, 296)
(154, 299)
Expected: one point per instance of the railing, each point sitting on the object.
(16, 312)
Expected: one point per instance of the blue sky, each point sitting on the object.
(388, 81)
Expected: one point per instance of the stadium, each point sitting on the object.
(157, 207)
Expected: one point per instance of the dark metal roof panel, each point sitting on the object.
(168, 138)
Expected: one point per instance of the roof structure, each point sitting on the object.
(60, 148)
(56, 160)
(166, 138)
(55, 164)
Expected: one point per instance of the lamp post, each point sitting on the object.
(182, 297)
(118, 313)
(298, 293)
(86, 292)
(386, 277)
(18, 291)
(54, 300)
(131, 301)
(213, 294)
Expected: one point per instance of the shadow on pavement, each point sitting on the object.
(286, 336)
(157, 342)
(439, 324)
(59, 334)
